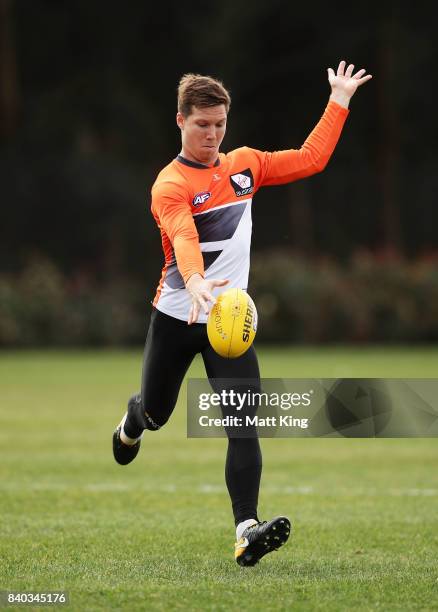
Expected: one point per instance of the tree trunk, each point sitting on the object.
(389, 146)
(9, 95)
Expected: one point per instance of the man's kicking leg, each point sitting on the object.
(169, 350)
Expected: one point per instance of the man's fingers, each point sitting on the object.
(349, 70)
(195, 312)
(202, 302)
(364, 79)
(219, 283)
(331, 73)
(341, 68)
(359, 73)
(201, 299)
(208, 297)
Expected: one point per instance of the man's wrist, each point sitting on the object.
(340, 98)
(193, 278)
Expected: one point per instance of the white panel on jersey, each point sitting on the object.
(231, 264)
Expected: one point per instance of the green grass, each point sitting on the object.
(159, 535)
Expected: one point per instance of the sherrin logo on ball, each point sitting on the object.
(232, 323)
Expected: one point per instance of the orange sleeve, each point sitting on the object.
(287, 166)
(171, 208)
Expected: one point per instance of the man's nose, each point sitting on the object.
(210, 132)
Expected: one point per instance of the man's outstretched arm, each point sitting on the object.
(293, 164)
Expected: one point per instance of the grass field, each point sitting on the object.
(159, 535)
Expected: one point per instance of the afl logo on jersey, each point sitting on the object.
(201, 197)
(242, 182)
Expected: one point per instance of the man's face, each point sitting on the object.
(202, 133)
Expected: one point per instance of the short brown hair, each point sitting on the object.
(201, 91)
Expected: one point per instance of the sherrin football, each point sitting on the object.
(232, 323)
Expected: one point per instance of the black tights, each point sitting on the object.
(171, 346)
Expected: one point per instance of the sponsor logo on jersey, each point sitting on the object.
(201, 198)
(242, 182)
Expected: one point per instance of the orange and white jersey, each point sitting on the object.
(204, 213)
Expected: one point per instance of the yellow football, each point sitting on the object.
(232, 323)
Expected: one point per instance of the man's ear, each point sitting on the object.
(180, 120)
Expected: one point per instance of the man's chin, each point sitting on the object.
(208, 155)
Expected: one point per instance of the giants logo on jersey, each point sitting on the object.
(201, 197)
(242, 182)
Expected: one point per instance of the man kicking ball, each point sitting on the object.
(202, 203)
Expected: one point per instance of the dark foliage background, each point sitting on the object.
(87, 119)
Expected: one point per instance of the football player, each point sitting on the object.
(202, 203)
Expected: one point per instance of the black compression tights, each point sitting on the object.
(170, 348)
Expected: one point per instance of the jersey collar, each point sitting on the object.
(193, 164)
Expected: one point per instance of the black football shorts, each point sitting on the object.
(170, 348)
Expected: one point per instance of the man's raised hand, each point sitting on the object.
(344, 83)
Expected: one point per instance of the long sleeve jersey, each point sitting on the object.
(204, 213)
